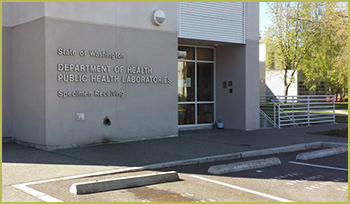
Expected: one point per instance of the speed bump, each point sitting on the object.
(124, 182)
(321, 153)
(242, 166)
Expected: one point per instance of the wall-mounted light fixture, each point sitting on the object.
(158, 17)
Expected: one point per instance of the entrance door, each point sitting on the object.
(196, 104)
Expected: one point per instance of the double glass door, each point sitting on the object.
(195, 85)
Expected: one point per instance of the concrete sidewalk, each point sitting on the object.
(24, 164)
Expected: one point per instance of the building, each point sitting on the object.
(85, 73)
(271, 81)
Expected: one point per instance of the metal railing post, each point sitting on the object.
(303, 110)
(293, 107)
(308, 110)
(333, 110)
(274, 114)
(279, 116)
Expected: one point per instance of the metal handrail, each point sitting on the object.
(267, 117)
(280, 109)
(298, 110)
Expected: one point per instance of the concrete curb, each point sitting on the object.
(223, 157)
(125, 182)
(242, 166)
(237, 155)
(321, 153)
(334, 144)
(283, 149)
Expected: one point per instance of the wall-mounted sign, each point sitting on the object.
(102, 73)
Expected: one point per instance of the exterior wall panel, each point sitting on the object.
(128, 14)
(230, 66)
(15, 13)
(29, 82)
(214, 21)
(252, 65)
(147, 110)
(6, 83)
(239, 109)
(6, 15)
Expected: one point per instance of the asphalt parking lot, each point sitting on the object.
(32, 175)
(318, 180)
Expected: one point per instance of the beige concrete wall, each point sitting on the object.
(41, 117)
(252, 65)
(262, 77)
(252, 85)
(146, 111)
(6, 83)
(29, 82)
(6, 14)
(240, 64)
(16, 13)
(252, 21)
(230, 66)
(239, 109)
(128, 14)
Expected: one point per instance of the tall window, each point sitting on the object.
(196, 95)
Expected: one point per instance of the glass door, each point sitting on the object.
(196, 104)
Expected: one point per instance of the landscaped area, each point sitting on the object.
(341, 105)
(341, 115)
(341, 132)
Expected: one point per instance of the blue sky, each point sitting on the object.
(263, 18)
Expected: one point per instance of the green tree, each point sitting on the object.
(328, 60)
(308, 36)
(290, 37)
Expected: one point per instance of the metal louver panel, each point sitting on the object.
(214, 21)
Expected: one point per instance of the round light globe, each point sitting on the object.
(158, 17)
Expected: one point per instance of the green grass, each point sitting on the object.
(341, 106)
(268, 108)
(338, 105)
(329, 112)
(341, 119)
(341, 132)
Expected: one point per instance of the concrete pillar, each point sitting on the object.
(239, 108)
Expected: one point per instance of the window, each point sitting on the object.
(196, 104)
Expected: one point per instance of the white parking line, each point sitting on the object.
(243, 189)
(42, 196)
(319, 166)
(37, 194)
